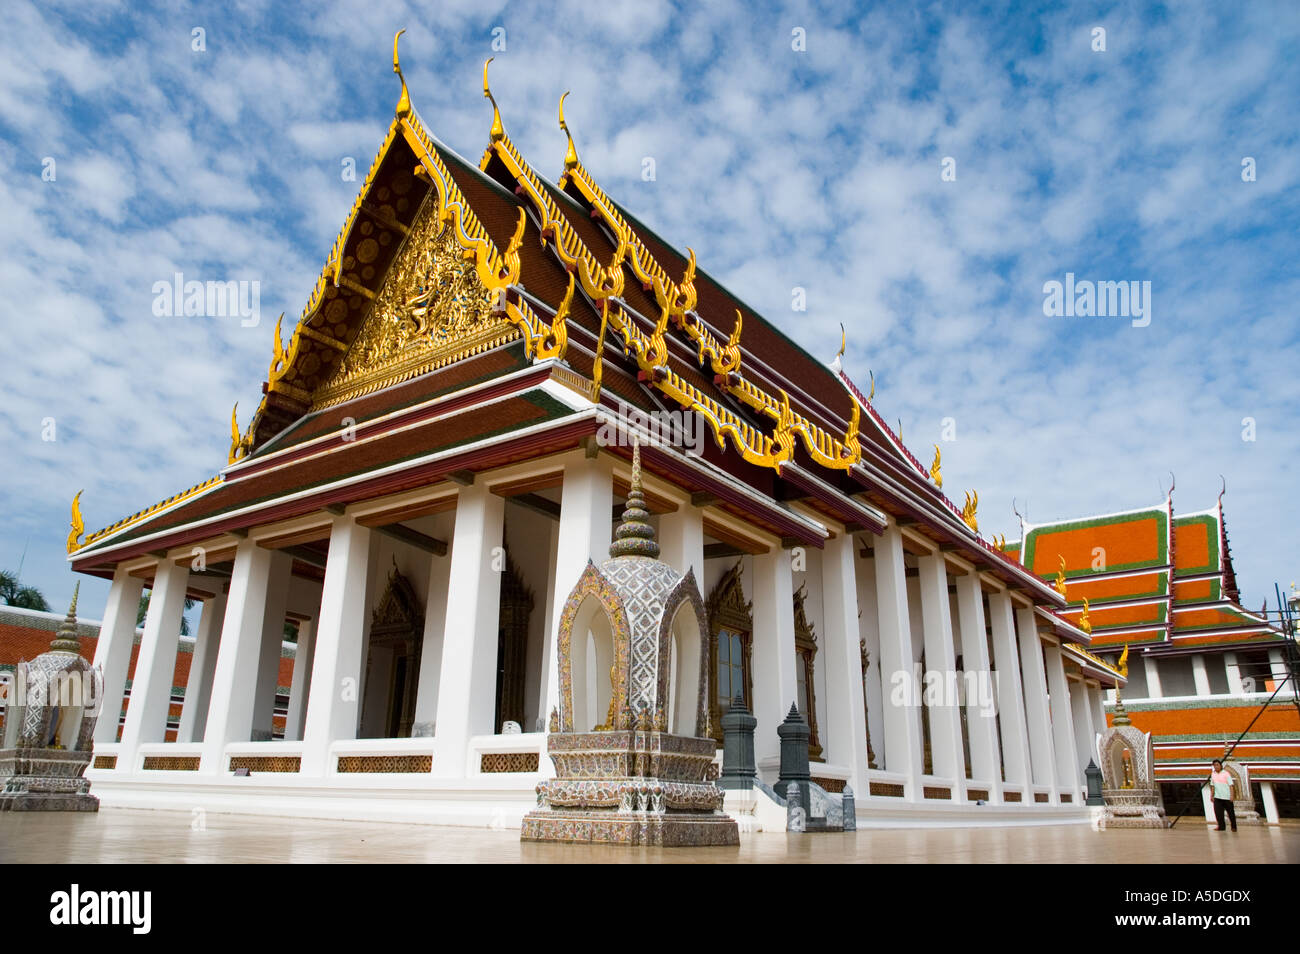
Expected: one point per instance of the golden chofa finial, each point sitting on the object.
(1085, 622)
(968, 511)
(1060, 578)
(498, 131)
(404, 101)
(872, 395)
(935, 475)
(78, 526)
(837, 365)
(570, 154)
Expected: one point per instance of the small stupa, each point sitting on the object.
(49, 724)
(629, 780)
(1128, 787)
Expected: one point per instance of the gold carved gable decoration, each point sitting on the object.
(431, 310)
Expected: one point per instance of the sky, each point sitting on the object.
(917, 174)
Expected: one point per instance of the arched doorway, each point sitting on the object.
(393, 656)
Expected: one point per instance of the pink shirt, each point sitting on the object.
(1222, 783)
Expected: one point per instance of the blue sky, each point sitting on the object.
(816, 169)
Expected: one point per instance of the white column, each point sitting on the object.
(435, 618)
(335, 689)
(774, 657)
(681, 541)
(1081, 713)
(902, 722)
(198, 689)
(1200, 676)
(1068, 775)
(299, 689)
(1270, 802)
(1011, 694)
(869, 627)
(155, 667)
(1278, 665)
(279, 574)
(467, 682)
(981, 713)
(1234, 673)
(586, 520)
(846, 720)
(230, 711)
(1153, 677)
(113, 651)
(1042, 757)
(940, 658)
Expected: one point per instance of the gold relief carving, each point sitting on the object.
(431, 309)
(494, 762)
(385, 764)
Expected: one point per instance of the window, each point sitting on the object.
(805, 647)
(731, 627)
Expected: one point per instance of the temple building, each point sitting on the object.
(1158, 588)
(444, 445)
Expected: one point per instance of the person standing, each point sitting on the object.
(1221, 785)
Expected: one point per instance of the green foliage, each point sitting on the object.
(13, 593)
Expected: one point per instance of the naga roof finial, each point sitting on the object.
(838, 364)
(498, 131)
(935, 473)
(570, 154)
(404, 101)
(77, 526)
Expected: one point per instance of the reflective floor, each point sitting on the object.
(125, 835)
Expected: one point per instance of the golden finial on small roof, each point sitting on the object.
(78, 526)
(1085, 620)
(404, 101)
(66, 638)
(1122, 665)
(935, 474)
(235, 439)
(1060, 578)
(570, 154)
(498, 131)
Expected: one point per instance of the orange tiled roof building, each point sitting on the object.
(1200, 665)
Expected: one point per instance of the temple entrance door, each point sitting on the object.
(396, 638)
(512, 648)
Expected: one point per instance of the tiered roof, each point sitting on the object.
(536, 284)
(1150, 577)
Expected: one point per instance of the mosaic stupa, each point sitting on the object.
(629, 780)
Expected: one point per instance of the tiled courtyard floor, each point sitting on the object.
(124, 835)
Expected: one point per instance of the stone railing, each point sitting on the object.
(381, 756)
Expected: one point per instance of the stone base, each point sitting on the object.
(48, 802)
(668, 830)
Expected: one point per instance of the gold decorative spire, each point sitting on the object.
(872, 395)
(852, 443)
(235, 439)
(635, 536)
(935, 474)
(557, 342)
(1122, 665)
(570, 154)
(78, 526)
(404, 101)
(498, 131)
(1060, 578)
(968, 511)
(67, 640)
(597, 368)
(1085, 621)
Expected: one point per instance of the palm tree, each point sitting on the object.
(144, 609)
(13, 593)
